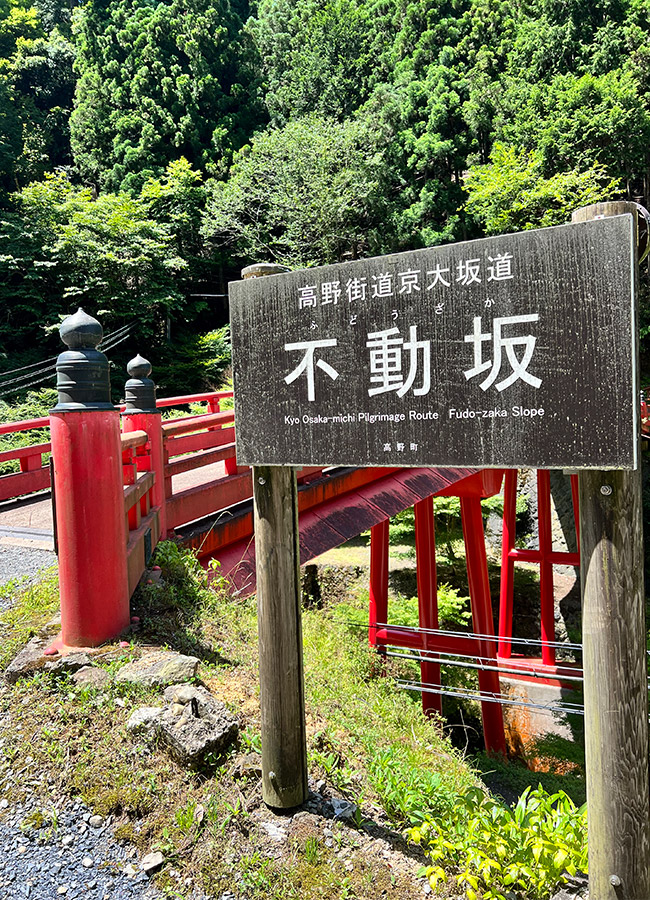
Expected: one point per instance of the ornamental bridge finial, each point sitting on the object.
(82, 378)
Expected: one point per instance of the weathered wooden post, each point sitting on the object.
(282, 693)
(614, 661)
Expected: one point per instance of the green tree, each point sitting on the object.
(43, 86)
(307, 193)
(62, 248)
(574, 122)
(320, 56)
(177, 200)
(158, 81)
(510, 193)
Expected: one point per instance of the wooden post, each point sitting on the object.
(615, 679)
(282, 693)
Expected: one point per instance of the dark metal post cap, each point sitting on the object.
(80, 331)
(139, 390)
(82, 378)
(139, 367)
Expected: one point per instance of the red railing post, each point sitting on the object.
(425, 550)
(483, 623)
(230, 463)
(141, 414)
(507, 562)
(90, 520)
(378, 607)
(547, 604)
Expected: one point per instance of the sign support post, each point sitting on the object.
(614, 663)
(282, 691)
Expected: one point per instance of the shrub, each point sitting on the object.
(493, 850)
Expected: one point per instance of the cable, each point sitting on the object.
(107, 344)
(479, 665)
(24, 387)
(559, 645)
(30, 366)
(481, 637)
(422, 688)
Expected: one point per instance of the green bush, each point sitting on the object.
(196, 363)
(494, 851)
(35, 405)
(452, 609)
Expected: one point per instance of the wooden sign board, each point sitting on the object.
(512, 351)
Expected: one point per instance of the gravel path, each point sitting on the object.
(67, 858)
(16, 562)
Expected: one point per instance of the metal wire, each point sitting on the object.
(413, 629)
(532, 642)
(29, 375)
(488, 697)
(110, 341)
(35, 365)
(434, 657)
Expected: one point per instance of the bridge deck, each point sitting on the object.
(27, 521)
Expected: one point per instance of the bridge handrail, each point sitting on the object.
(133, 439)
(197, 423)
(44, 421)
(22, 452)
(193, 398)
(24, 425)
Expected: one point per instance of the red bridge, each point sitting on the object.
(120, 488)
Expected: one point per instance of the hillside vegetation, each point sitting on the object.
(150, 148)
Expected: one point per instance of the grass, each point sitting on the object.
(357, 723)
(38, 604)
(366, 739)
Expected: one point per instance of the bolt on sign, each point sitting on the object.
(518, 350)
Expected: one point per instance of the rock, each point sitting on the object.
(91, 676)
(152, 862)
(575, 888)
(144, 721)
(179, 695)
(204, 727)
(30, 659)
(87, 862)
(304, 825)
(343, 809)
(158, 668)
(96, 821)
(274, 831)
(70, 663)
(68, 840)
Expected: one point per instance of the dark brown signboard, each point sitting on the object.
(518, 350)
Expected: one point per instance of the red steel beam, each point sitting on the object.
(200, 459)
(425, 554)
(437, 643)
(203, 499)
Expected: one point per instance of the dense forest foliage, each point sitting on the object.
(150, 148)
